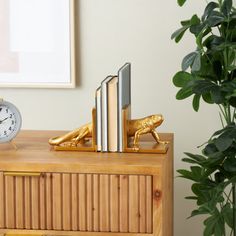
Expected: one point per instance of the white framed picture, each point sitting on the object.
(37, 45)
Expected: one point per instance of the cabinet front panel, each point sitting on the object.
(77, 202)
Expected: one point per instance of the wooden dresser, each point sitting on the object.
(44, 192)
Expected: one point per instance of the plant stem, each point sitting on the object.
(233, 115)
(220, 3)
(229, 113)
(228, 196)
(223, 113)
(221, 119)
(234, 212)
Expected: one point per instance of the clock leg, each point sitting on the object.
(13, 145)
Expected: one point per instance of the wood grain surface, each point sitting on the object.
(74, 193)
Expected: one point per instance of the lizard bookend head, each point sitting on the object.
(157, 120)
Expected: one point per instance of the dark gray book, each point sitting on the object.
(124, 99)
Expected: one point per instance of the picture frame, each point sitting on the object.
(37, 43)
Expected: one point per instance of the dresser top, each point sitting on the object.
(35, 154)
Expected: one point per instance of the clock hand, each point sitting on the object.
(1, 121)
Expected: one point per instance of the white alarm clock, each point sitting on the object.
(10, 121)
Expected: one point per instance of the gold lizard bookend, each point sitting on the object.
(145, 125)
(73, 138)
(76, 139)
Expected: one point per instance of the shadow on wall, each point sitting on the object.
(77, 45)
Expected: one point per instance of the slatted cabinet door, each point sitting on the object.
(21, 200)
(2, 201)
(76, 202)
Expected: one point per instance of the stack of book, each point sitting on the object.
(111, 98)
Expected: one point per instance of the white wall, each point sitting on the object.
(110, 33)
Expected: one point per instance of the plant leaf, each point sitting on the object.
(196, 102)
(230, 165)
(218, 132)
(207, 98)
(200, 211)
(213, 41)
(196, 66)
(191, 161)
(203, 86)
(216, 95)
(210, 149)
(196, 29)
(188, 60)
(232, 102)
(194, 174)
(195, 20)
(191, 198)
(209, 8)
(181, 2)
(181, 79)
(214, 225)
(186, 174)
(226, 7)
(184, 93)
(195, 156)
(223, 144)
(185, 22)
(179, 33)
(202, 192)
(227, 213)
(215, 18)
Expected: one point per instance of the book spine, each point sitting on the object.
(104, 117)
(98, 120)
(112, 115)
(120, 126)
(124, 100)
(117, 118)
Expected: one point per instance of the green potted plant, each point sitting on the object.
(209, 74)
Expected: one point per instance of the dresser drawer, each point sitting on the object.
(76, 202)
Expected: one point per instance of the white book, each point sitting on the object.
(104, 113)
(124, 100)
(113, 114)
(98, 119)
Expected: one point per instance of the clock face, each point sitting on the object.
(10, 121)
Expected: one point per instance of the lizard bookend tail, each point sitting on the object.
(74, 137)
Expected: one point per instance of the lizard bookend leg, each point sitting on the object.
(157, 138)
(137, 136)
(80, 138)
